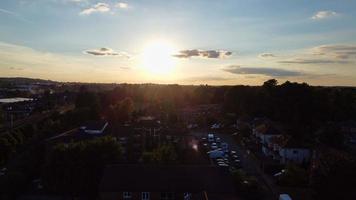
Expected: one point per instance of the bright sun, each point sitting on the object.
(157, 57)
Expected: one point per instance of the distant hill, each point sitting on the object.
(22, 80)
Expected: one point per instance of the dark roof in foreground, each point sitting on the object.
(170, 178)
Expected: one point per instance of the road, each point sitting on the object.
(62, 134)
(249, 162)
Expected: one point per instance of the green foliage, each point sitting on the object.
(6, 149)
(75, 168)
(165, 154)
(294, 176)
(147, 157)
(247, 186)
(330, 135)
(334, 177)
(12, 183)
(303, 107)
(1, 117)
(122, 111)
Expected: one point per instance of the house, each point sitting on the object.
(293, 151)
(144, 182)
(94, 127)
(148, 125)
(266, 135)
(280, 147)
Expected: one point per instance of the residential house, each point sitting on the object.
(293, 151)
(145, 182)
(266, 135)
(280, 147)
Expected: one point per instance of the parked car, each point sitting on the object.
(216, 154)
(223, 165)
(210, 137)
(279, 173)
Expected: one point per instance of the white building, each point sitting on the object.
(292, 151)
(94, 127)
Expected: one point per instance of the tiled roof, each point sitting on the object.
(173, 178)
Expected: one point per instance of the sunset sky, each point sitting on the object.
(220, 42)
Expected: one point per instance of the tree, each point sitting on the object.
(247, 186)
(1, 117)
(6, 149)
(122, 111)
(332, 136)
(270, 83)
(75, 168)
(165, 154)
(294, 176)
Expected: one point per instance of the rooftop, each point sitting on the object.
(193, 178)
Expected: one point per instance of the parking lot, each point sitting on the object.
(220, 152)
(247, 162)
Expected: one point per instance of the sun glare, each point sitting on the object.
(157, 57)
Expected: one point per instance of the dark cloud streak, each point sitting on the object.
(106, 52)
(273, 72)
(203, 53)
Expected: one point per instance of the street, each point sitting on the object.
(249, 163)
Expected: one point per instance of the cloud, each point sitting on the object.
(99, 7)
(313, 61)
(320, 15)
(16, 68)
(106, 52)
(17, 16)
(122, 5)
(267, 55)
(203, 53)
(273, 72)
(336, 51)
(325, 54)
(205, 79)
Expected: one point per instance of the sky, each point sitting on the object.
(216, 42)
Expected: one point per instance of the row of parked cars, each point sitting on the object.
(220, 152)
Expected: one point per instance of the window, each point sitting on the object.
(145, 196)
(127, 195)
(187, 196)
(167, 196)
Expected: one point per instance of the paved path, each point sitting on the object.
(62, 134)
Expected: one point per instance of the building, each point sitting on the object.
(94, 127)
(295, 152)
(280, 147)
(145, 182)
(266, 136)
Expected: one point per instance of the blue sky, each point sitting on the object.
(107, 40)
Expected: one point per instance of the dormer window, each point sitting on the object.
(145, 196)
(126, 195)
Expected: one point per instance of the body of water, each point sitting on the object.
(14, 100)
